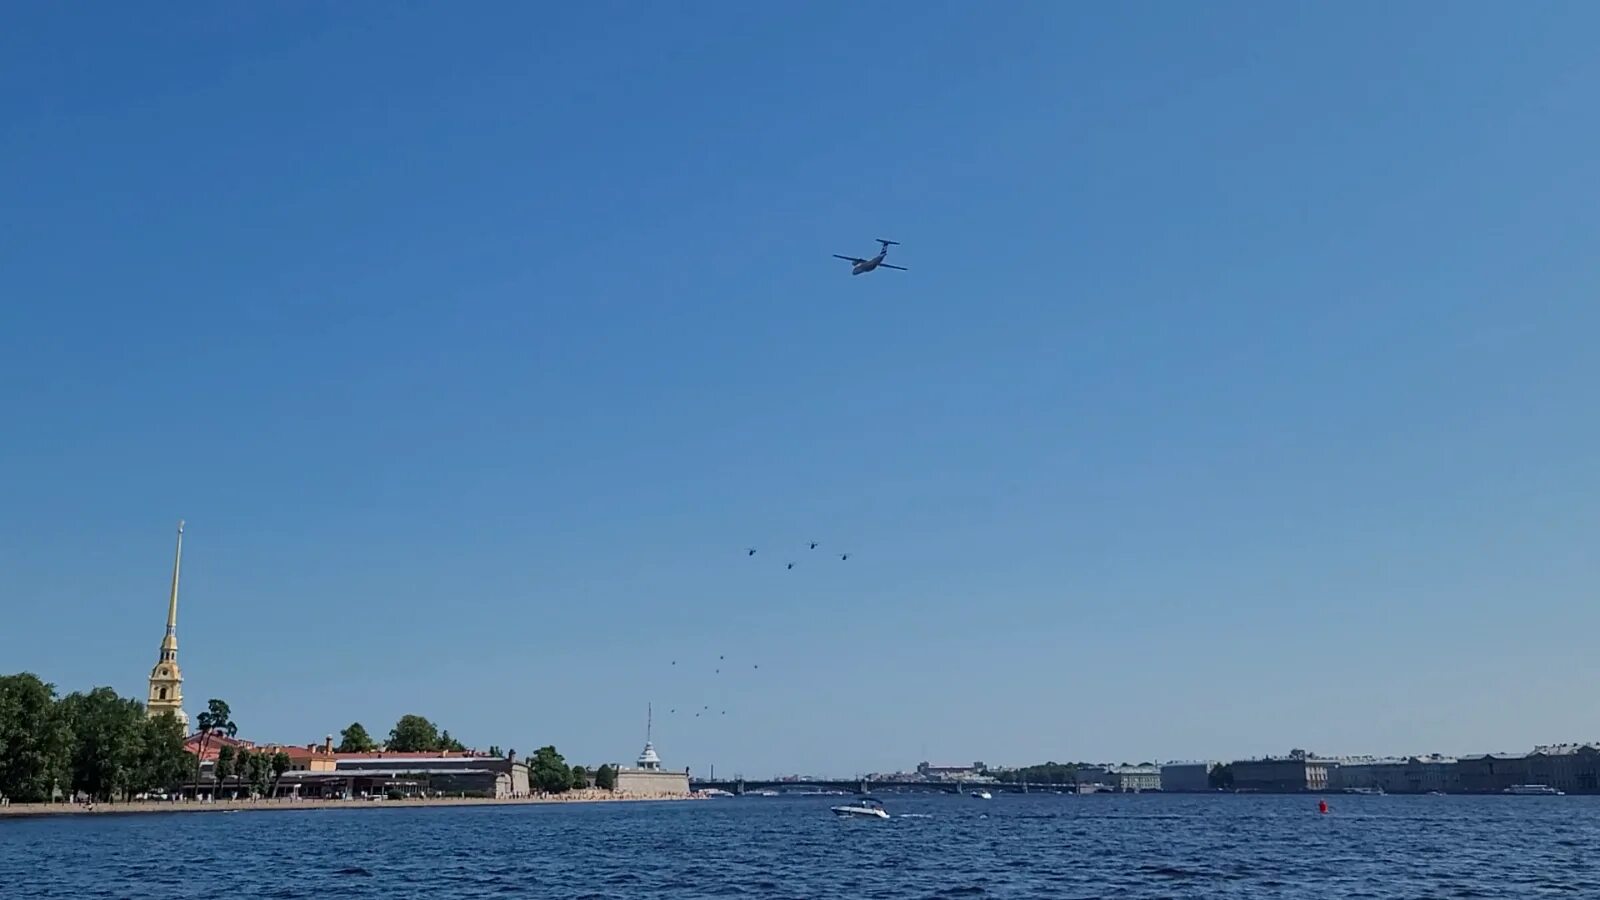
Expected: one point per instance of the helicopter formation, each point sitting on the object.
(810, 545)
(706, 710)
(859, 266)
(703, 678)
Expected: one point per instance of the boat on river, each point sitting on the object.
(1535, 790)
(865, 808)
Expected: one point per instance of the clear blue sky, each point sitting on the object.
(1241, 393)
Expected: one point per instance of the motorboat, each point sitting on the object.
(1375, 791)
(982, 795)
(865, 808)
(1537, 790)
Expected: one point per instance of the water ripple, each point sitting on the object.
(937, 848)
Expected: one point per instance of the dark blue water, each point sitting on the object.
(937, 847)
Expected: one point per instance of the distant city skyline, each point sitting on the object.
(1235, 398)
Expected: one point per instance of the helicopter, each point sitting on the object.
(858, 266)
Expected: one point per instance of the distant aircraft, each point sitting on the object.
(749, 551)
(844, 556)
(814, 545)
(790, 566)
(858, 265)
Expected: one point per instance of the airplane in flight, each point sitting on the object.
(858, 266)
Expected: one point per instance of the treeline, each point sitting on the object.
(95, 743)
(412, 734)
(107, 748)
(548, 771)
(1046, 773)
(258, 770)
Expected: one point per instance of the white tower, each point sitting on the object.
(648, 758)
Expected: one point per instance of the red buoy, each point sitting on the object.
(1322, 807)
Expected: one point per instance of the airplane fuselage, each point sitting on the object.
(859, 266)
(866, 265)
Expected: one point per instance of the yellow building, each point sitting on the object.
(166, 681)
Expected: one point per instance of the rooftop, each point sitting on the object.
(648, 758)
(419, 754)
(1565, 749)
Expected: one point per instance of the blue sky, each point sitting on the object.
(1240, 395)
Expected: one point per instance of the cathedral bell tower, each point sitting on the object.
(166, 681)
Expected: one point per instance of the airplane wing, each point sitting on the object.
(851, 258)
(887, 266)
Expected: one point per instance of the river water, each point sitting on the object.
(1148, 846)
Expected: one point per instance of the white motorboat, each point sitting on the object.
(865, 808)
(982, 795)
(1537, 790)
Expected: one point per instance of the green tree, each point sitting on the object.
(162, 762)
(549, 771)
(355, 740)
(217, 719)
(446, 742)
(105, 745)
(1046, 773)
(1221, 777)
(580, 778)
(260, 771)
(279, 765)
(242, 762)
(223, 767)
(413, 734)
(605, 778)
(494, 750)
(33, 739)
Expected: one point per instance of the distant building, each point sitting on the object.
(951, 773)
(1186, 777)
(1366, 773)
(307, 758)
(469, 774)
(1132, 779)
(1092, 777)
(647, 778)
(1491, 773)
(1573, 768)
(1282, 775)
(1427, 774)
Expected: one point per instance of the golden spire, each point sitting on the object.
(166, 681)
(169, 644)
